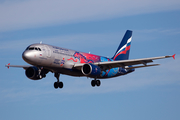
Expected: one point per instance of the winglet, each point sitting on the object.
(173, 56)
(8, 65)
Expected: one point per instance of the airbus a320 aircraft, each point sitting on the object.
(46, 58)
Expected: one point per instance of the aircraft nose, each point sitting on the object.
(27, 56)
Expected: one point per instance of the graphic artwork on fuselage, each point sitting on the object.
(107, 72)
(111, 72)
(86, 58)
(72, 59)
(62, 62)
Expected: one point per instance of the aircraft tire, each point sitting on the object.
(93, 83)
(60, 84)
(98, 83)
(55, 85)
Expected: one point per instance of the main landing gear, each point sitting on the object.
(57, 84)
(95, 83)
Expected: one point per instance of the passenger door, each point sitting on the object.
(48, 51)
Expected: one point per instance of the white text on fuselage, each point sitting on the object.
(62, 51)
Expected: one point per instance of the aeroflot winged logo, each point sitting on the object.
(71, 62)
(124, 49)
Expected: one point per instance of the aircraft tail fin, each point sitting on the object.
(123, 50)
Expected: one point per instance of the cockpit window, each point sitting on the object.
(39, 49)
(33, 48)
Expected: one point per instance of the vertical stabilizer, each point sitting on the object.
(123, 50)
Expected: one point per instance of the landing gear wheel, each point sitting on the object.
(98, 83)
(60, 84)
(55, 85)
(93, 83)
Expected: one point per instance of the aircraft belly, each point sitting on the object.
(114, 72)
(71, 72)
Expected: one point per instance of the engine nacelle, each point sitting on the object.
(91, 70)
(32, 73)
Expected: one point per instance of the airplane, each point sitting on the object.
(46, 58)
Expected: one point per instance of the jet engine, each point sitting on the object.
(33, 73)
(91, 70)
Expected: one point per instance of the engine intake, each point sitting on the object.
(91, 70)
(32, 73)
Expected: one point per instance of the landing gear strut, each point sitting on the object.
(95, 83)
(42, 72)
(57, 84)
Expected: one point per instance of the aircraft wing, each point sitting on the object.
(20, 66)
(126, 63)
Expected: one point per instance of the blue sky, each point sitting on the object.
(94, 26)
